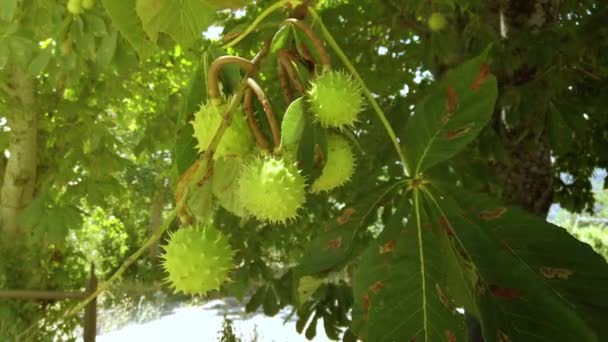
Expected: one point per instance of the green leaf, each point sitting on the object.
(401, 287)
(514, 301)
(256, 300)
(183, 20)
(451, 116)
(107, 49)
(125, 20)
(7, 9)
(280, 39)
(312, 149)
(292, 126)
(39, 62)
(334, 244)
(579, 275)
(271, 302)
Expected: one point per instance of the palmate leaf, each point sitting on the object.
(183, 20)
(333, 246)
(124, 18)
(514, 300)
(451, 116)
(570, 267)
(401, 287)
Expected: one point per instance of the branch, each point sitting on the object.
(253, 126)
(387, 126)
(285, 59)
(315, 40)
(272, 121)
(214, 72)
(199, 174)
(284, 83)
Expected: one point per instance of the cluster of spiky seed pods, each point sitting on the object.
(255, 178)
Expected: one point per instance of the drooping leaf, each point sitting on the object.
(333, 246)
(280, 39)
(568, 266)
(451, 116)
(401, 287)
(126, 21)
(292, 126)
(7, 9)
(183, 20)
(514, 301)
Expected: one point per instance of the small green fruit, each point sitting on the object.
(339, 166)
(88, 4)
(272, 189)
(74, 7)
(237, 139)
(437, 22)
(335, 99)
(197, 259)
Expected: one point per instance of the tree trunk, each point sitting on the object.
(20, 172)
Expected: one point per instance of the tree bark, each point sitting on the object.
(20, 172)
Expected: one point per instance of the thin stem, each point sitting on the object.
(285, 59)
(130, 260)
(253, 126)
(214, 72)
(284, 83)
(325, 61)
(272, 120)
(258, 20)
(334, 45)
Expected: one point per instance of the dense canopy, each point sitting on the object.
(438, 134)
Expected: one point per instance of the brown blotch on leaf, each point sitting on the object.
(427, 226)
(376, 287)
(451, 104)
(365, 302)
(447, 227)
(442, 297)
(556, 273)
(505, 292)
(492, 214)
(346, 214)
(450, 337)
(333, 244)
(388, 247)
(458, 132)
(502, 337)
(484, 71)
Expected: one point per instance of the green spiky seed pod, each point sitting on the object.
(272, 189)
(335, 99)
(197, 259)
(237, 139)
(339, 165)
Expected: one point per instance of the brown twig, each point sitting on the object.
(284, 83)
(272, 121)
(253, 126)
(285, 59)
(325, 61)
(216, 66)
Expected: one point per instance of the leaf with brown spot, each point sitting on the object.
(388, 247)
(447, 227)
(484, 71)
(451, 105)
(442, 297)
(450, 337)
(505, 292)
(376, 287)
(555, 273)
(502, 337)
(346, 214)
(458, 132)
(492, 214)
(333, 244)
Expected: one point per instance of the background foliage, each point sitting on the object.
(95, 110)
